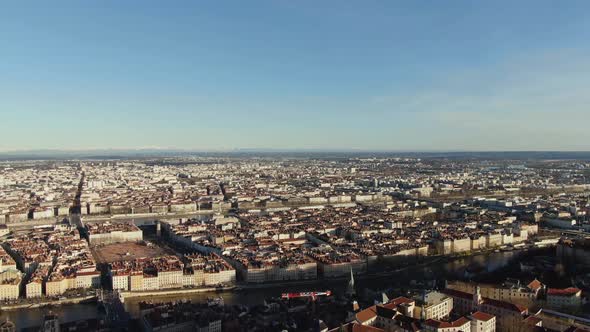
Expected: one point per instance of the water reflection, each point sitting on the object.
(443, 269)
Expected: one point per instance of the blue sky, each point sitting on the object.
(370, 75)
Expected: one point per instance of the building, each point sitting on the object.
(6, 261)
(568, 298)
(210, 270)
(150, 282)
(434, 305)
(565, 223)
(120, 280)
(170, 278)
(513, 291)
(558, 321)
(10, 281)
(278, 272)
(180, 318)
(4, 230)
(330, 268)
(398, 315)
(58, 285)
(34, 289)
(108, 232)
(482, 322)
(87, 279)
(510, 316)
(460, 325)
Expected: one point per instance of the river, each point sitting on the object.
(493, 267)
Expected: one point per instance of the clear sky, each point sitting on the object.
(286, 74)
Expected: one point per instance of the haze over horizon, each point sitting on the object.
(282, 75)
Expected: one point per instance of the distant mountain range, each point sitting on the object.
(102, 154)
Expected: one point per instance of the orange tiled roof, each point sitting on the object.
(482, 316)
(570, 291)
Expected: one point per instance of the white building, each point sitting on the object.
(10, 281)
(434, 305)
(113, 232)
(34, 289)
(482, 322)
(120, 281)
(460, 325)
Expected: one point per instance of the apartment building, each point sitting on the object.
(460, 325)
(10, 282)
(107, 232)
(568, 298)
(482, 322)
(434, 305)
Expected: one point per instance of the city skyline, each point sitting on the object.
(277, 75)
(296, 166)
(462, 242)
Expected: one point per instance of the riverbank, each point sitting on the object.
(426, 262)
(395, 283)
(41, 303)
(170, 292)
(365, 276)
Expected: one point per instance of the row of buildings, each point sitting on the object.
(451, 310)
(184, 185)
(37, 190)
(306, 243)
(533, 294)
(168, 272)
(107, 232)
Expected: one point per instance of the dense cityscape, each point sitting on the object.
(295, 166)
(155, 244)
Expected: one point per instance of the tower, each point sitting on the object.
(477, 299)
(350, 291)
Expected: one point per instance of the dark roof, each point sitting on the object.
(504, 305)
(385, 312)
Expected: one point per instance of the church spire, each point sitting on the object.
(477, 299)
(350, 290)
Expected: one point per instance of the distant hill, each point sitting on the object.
(110, 154)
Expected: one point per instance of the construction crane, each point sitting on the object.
(312, 295)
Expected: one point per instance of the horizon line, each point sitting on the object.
(277, 150)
